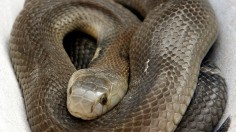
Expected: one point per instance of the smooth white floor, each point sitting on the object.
(12, 112)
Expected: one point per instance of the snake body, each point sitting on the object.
(173, 39)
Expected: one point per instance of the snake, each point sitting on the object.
(146, 72)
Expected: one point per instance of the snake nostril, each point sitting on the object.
(103, 99)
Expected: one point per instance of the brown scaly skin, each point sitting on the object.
(173, 39)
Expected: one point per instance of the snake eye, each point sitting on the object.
(103, 99)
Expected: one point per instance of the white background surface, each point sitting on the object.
(12, 112)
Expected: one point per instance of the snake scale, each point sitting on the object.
(158, 60)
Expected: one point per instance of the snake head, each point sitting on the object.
(91, 94)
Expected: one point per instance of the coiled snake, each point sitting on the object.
(158, 59)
